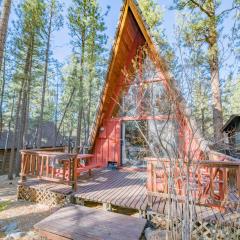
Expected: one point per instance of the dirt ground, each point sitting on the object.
(17, 218)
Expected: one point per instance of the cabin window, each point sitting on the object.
(163, 138)
(149, 138)
(237, 140)
(144, 93)
(148, 99)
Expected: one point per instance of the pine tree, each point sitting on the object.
(88, 40)
(204, 29)
(153, 14)
(79, 26)
(95, 59)
(53, 23)
(3, 27)
(28, 41)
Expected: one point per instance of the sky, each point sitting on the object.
(61, 41)
(61, 45)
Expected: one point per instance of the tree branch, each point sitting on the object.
(229, 10)
(201, 8)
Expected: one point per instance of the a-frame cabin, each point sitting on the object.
(144, 129)
(142, 116)
(134, 50)
(134, 46)
(142, 124)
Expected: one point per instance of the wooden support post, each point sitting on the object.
(38, 165)
(33, 165)
(75, 173)
(23, 167)
(238, 179)
(41, 166)
(53, 171)
(64, 170)
(47, 166)
(107, 206)
(80, 201)
(211, 183)
(142, 214)
(221, 184)
(225, 183)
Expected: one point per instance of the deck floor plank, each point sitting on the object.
(80, 223)
(98, 189)
(115, 190)
(126, 191)
(130, 199)
(139, 200)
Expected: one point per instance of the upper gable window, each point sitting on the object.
(143, 92)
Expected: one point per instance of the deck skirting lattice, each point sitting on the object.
(208, 231)
(41, 195)
(201, 229)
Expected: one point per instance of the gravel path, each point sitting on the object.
(18, 217)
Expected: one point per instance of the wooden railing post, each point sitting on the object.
(238, 179)
(75, 174)
(23, 167)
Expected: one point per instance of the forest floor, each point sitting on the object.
(17, 218)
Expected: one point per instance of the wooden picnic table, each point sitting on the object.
(85, 162)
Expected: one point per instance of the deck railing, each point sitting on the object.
(209, 182)
(49, 165)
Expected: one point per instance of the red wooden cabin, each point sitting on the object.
(136, 74)
(143, 123)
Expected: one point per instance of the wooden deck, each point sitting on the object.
(123, 188)
(82, 223)
(128, 189)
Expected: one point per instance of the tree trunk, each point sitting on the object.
(89, 109)
(2, 95)
(3, 27)
(19, 127)
(14, 141)
(21, 140)
(40, 121)
(7, 138)
(56, 120)
(79, 125)
(79, 129)
(215, 82)
(90, 84)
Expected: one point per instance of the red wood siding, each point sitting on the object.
(107, 147)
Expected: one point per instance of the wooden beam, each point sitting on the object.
(139, 118)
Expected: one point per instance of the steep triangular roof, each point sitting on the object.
(132, 23)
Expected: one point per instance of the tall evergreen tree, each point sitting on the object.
(153, 14)
(3, 27)
(205, 29)
(53, 22)
(28, 41)
(87, 27)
